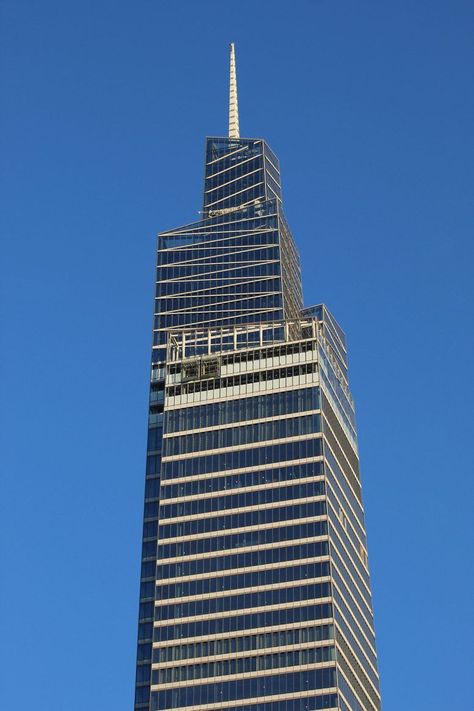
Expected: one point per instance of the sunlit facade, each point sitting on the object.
(255, 591)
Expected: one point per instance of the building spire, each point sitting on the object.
(233, 105)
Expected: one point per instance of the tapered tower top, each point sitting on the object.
(233, 104)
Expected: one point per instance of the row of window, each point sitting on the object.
(245, 182)
(259, 376)
(241, 520)
(147, 591)
(359, 592)
(254, 263)
(248, 219)
(273, 185)
(345, 517)
(155, 434)
(333, 346)
(361, 595)
(246, 204)
(217, 247)
(228, 272)
(224, 153)
(241, 316)
(143, 673)
(263, 246)
(226, 198)
(243, 665)
(355, 704)
(238, 436)
(248, 255)
(339, 444)
(306, 703)
(244, 539)
(152, 487)
(150, 529)
(234, 623)
(274, 351)
(344, 609)
(358, 671)
(225, 176)
(268, 576)
(146, 610)
(342, 590)
(346, 411)
(211, 230)
(223, 230)
(144, 650)
(344, 491)
(226, 307)
(201, 566)
(237, 480)
(271, 163)
(325, 701)
(250, 408)
(250, 186)
(226, 238)
(222, 302)
(213, 285)
(260, 598)
(352, 560)
(358, 643)
(244, 689)
(239, 459)
(240, 500)
(234, 645)
(259, 291)
(245, 310)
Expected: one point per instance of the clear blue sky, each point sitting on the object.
(105, 106)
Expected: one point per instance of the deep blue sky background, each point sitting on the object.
(105, 106)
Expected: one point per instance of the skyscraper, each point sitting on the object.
(255, 591)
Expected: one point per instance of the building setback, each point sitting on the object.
(255, 591)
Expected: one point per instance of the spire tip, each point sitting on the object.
(234, 131)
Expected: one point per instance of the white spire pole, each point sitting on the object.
(233, 105)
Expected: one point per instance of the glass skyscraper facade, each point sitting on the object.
(255, 590)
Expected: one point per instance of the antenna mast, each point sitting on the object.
(233, 104)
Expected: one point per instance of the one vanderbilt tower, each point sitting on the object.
(255, 590)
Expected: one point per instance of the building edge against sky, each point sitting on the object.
(255, 590)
